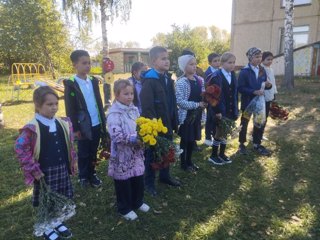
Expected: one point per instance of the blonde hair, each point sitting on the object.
(226, 56)
(39, 95)
(119, 85)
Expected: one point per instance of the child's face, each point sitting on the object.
(229, 64)
(137, 74)
(215, 62)
(256, 59)
(126, 95)
(162, 62)
(268, 61)
(49, 107)
(191, 67)
(83, 65)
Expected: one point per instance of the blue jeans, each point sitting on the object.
(87, 153)
(150, 174)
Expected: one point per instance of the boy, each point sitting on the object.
(225, 78)
(84, 107)
(214, 64)
(158, 100)
(250, 81)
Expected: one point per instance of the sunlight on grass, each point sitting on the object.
(16, 198)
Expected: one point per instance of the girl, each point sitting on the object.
(189, 100)
(136, 70)
(267, 58)
(126, 165)
(45, 149)
(228, 104)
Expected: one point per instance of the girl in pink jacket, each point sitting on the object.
(45, 149)
(126, 165)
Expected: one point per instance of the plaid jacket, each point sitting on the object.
(182, 94)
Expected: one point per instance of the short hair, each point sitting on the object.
(39, 95)
(212, 56)
(226, 56)
(155, 51)
(266, 54)
(119, 85)
(75, 55)
(187, 51)
(137, 66)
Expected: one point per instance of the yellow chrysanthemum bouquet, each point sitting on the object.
(165, 151)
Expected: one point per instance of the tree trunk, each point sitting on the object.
(104, 19)
(288, 82)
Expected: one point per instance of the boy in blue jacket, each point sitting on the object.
(250, 81)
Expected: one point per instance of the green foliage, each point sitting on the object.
(32, 31)
(195, 39)
(96, 70)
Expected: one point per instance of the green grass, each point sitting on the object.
(252, 198)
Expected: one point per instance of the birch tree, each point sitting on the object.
(288, 81)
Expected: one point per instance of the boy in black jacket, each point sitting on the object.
(158, 100)
(84, 108)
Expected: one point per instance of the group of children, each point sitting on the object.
(45, 145)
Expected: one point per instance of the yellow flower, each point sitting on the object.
(164, 129)
(155, 133)
(142, 132)
(146, 138)
(153, 141)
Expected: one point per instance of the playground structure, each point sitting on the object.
(26, 76)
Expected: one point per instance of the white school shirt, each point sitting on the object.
(227, 75)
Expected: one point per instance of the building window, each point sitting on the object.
(300, 37)
(297, 2)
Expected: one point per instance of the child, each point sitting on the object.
(158, 100)
(267, 58)
(189, 99)
(225, 78)
(45, 149)
(136, 70)
(214, 64)
(126, 165)
(250, 81)
(84, 107)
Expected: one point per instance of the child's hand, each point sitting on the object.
(258, 92)
(203, 104)
(268, 84)
(77, 135)
(219, 115)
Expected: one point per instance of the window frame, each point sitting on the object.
(281, 36)
(282, 3)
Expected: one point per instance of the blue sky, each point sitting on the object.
(148, 17)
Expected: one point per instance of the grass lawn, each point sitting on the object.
(252, 198)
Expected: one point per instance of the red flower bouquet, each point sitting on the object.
(212, 94)
(278, 112)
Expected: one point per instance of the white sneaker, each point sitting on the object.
(144, 208)
(208, 142)
(130, 216)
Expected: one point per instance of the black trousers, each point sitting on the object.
(129, 194)
(87, 154)
(186, 155)
(209, 125)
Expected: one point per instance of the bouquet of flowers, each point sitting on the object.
(104, 148)
(166, 151)
(212, 94)
(278, 112)
(257, 108)
(53, 208)
(226, 128)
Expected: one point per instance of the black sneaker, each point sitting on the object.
(195, 167)
(225, 159)
(63, 231)
(170, 181)
(151, 190)
(242, 149)
(262, 150)
(84, 183)
(216, 160)
(95, 181)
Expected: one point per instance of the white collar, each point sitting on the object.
(47, 122)
(225, 72)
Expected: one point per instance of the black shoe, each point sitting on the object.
(63, 231)
(51, 235)
(216, 160)
(84, 183)
(225, 159)
(95, 181)
(171, 182)
(242, 149)
(195, 167)
(151, 190)
(262, 150)
(188, 169)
